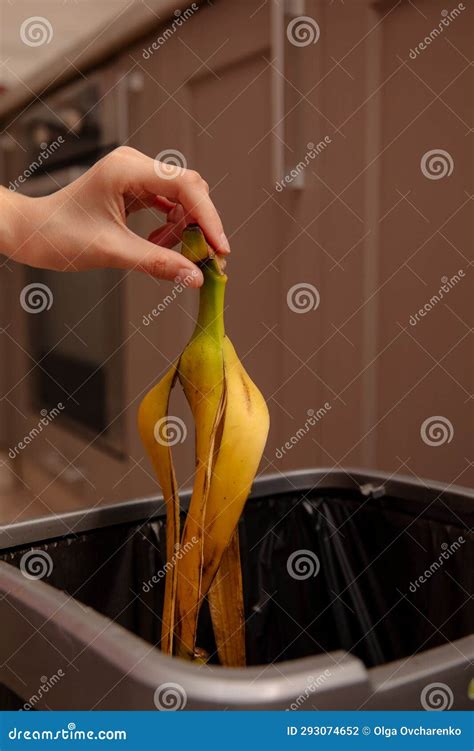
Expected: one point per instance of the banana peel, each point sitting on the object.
(152, 425)
(226, 605)
(231, 426)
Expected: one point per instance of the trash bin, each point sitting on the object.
(357, 586)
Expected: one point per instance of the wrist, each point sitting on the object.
(15, 211)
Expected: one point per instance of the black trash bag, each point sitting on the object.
(323, 570)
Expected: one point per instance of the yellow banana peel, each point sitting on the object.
(231, 427)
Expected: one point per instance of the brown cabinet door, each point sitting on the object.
(226, 94)
(425, 233)
(207, 100)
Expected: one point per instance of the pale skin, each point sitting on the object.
(84, 225)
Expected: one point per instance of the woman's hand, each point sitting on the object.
(83, 226)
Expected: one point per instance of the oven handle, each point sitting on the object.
(51, 182)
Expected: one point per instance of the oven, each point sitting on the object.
(66, 340)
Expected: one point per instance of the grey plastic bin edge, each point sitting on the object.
(401, 486)
(114, 669)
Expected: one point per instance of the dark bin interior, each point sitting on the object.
(364, 598)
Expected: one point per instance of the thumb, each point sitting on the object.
(133, 252)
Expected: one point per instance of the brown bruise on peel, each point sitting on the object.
(220, 426)
(246, 390)
(209, 565)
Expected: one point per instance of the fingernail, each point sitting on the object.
(224, 246)
(189, 277)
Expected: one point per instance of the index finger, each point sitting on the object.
(188, 188)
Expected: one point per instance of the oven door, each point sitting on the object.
(66, 415)
(74, 336)
(72, 377)
(74, 343)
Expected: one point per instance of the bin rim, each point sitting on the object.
(372, 483)
(120, 652)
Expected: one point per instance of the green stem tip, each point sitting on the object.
(194, 247)
(211, 295)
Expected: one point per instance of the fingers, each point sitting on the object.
(132, 252)
(195, 199)
(192, 192)
(163, 204)
(178, 186)
(170, 234)
(167, 236)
